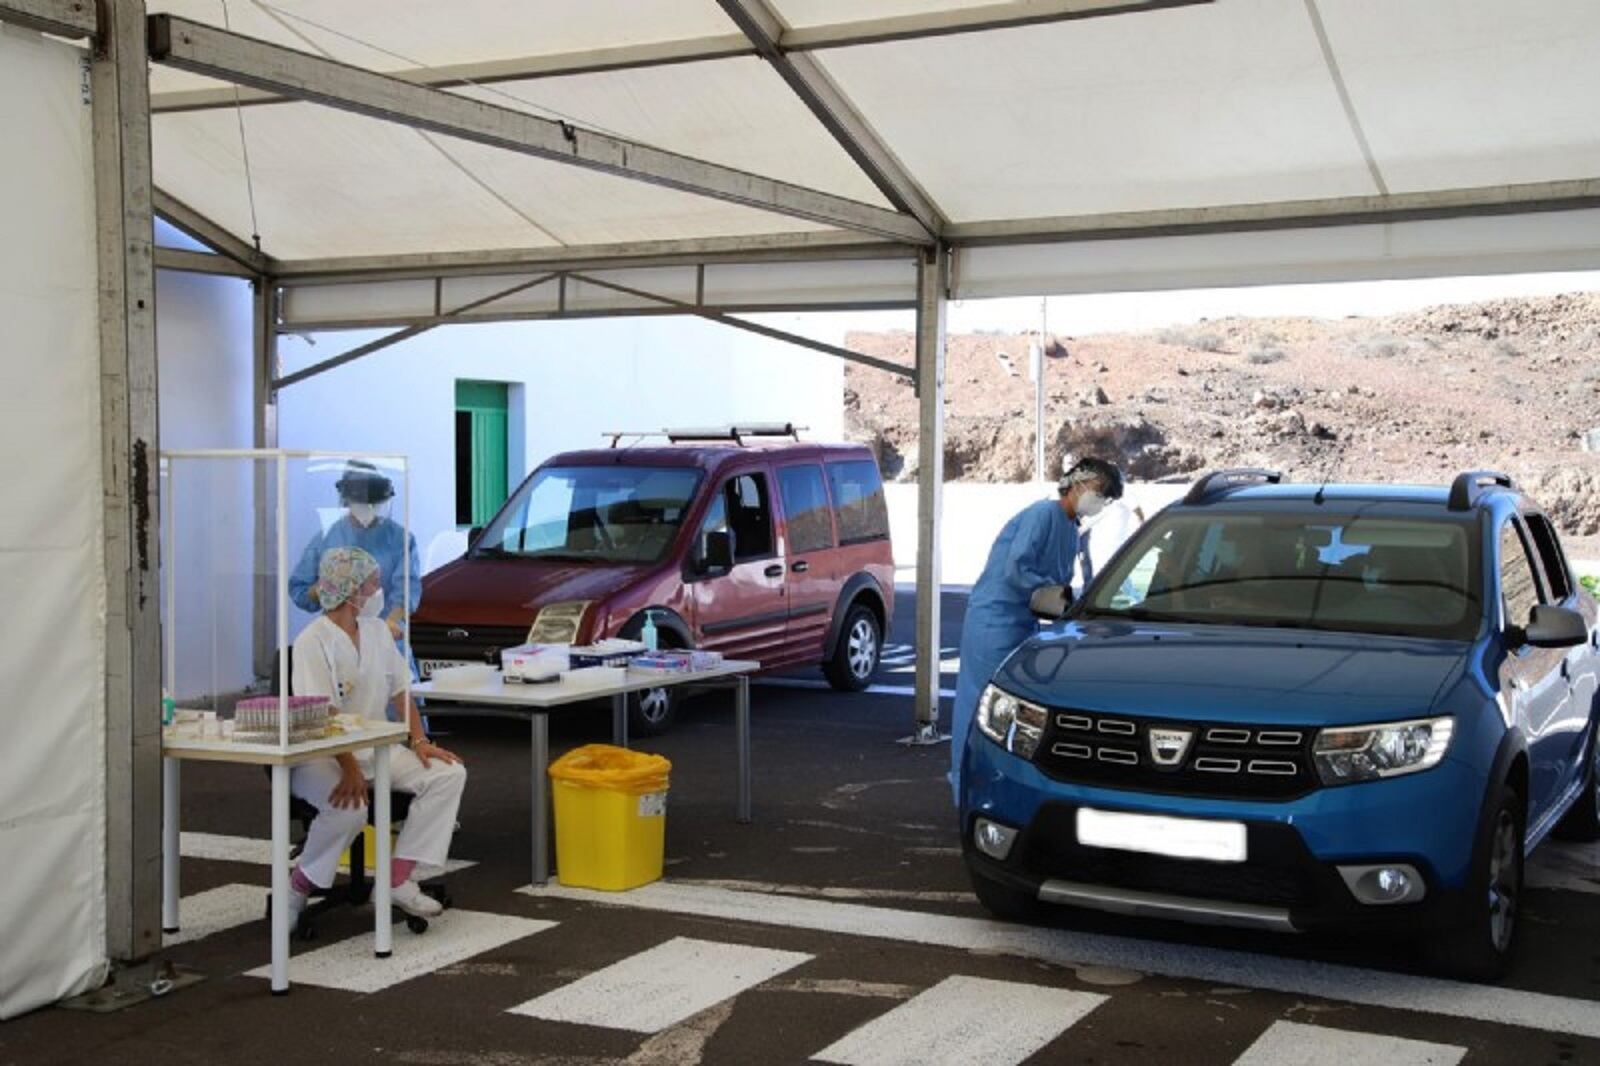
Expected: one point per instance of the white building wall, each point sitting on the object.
(570, 380)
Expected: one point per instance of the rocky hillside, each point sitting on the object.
(1509, 384)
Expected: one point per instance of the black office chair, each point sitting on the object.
(357, 890)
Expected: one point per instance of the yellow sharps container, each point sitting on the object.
(611, 816)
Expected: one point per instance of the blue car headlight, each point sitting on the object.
(1389, 749)
(1014, 724)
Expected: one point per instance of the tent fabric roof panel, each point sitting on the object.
(329, 183)
(736, 112)
(1225, 103)
(1494, 93)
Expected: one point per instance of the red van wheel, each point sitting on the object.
(855, 656)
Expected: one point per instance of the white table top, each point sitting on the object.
(558, 693)
(371, 735)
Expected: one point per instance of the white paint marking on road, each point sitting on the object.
(965, 1019)
(658, 988)
(828, 891)
(219, 847)
(452, 938)
(1218, 966)
(217, 909)
(1295, 1044)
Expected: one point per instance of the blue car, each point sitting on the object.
(1295, 707)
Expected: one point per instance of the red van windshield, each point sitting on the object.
(606, 514)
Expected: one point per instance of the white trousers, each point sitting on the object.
(425, 838)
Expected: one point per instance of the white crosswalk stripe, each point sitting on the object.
(219, 847)
(1348, 984)
(963, 1020)
(216, 909)
(453, 937)
(658, 988)
(1295, 1044)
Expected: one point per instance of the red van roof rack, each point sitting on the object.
(736, 433)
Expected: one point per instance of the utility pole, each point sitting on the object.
(1036, 369)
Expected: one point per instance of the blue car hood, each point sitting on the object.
(1232, 673)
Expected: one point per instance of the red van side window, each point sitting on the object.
(858, 501)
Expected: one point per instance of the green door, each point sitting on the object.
(482, 426)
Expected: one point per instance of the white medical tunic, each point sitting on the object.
(362, 682)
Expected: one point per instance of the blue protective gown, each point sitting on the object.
(1036, 548)
(384, 540)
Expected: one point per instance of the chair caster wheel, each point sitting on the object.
(416, 925)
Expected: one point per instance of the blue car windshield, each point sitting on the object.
(1349, 573)
(603, 514)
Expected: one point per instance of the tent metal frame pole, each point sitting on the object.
(264, 435)
(1536, 197)
(407, 333)
(932, 295)
(823, 98)
(130, 483)
(217, 53)
(976, 19)
(753, 327)
(192, 262)
(804, 247)
(73, 19)
(211, 234)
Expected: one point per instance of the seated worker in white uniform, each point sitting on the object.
(348, 655)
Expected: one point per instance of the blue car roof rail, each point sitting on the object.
(1469, 486)
(1219, 481)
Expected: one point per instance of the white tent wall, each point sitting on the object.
(1493, 244)
(203, 330)
(570, 381)
(53, 662)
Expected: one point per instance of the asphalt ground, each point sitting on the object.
(838, 926)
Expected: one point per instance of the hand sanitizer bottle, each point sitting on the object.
(648, 633)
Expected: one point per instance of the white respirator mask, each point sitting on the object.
(373, 608)
(1090, 503)
(364, 513)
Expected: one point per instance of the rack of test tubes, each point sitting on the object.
(256, 720)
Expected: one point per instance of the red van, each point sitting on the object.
(777, 552)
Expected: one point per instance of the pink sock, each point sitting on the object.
(300, 882)
(400, 871)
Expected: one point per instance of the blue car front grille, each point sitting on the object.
(1225, 760)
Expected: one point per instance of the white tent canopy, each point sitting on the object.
(1153, 120)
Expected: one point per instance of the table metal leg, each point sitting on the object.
(540, 805)
(619, 720)
(383, 919)
(280, 880)
(741, 711)
(169, 844)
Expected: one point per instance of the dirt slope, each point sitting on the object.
(1509, 384)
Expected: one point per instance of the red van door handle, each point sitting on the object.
(801, 567)
(775, 570)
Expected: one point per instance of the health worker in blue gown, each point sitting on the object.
(1036, 550)
(365, 493)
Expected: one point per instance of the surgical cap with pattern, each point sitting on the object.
(341, 573)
